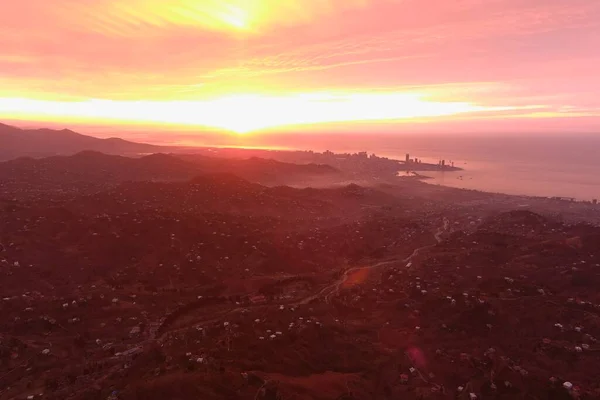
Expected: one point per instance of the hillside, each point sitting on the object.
(217, 287)
(90, 171)
(16, 142)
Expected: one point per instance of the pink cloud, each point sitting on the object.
(533, 52)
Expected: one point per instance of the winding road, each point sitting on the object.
(160, 328)
(334, 288)
(326, 293)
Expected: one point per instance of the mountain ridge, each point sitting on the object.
(17, 142)
(90, 171)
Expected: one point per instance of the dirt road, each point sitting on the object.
(325, 293)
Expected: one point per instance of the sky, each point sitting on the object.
(247, 66)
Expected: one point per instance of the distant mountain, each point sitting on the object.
(16, 142)
(266, 171)
(93, 167)
(91, 171)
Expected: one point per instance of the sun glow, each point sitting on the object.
(243, 113)
(139, 17)
(236, 17)
(256, 65)
(132, 18)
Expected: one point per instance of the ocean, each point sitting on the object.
(533, 165)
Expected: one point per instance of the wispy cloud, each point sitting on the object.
(491, 53)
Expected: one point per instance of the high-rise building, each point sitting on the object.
(407, 158)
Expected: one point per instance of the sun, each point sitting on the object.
(236, 18)
(240, 127)
(236, 22)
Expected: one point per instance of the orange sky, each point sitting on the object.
(251, 65)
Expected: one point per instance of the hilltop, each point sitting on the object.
(90, 171)
(16, 142)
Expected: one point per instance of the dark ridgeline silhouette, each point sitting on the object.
(16, 142)
(90, 171)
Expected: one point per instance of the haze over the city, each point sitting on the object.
(248, 65)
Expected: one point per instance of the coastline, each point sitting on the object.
(568, 211)
(365, 166)
(421, 171)
(428, 179)
(458, 182)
